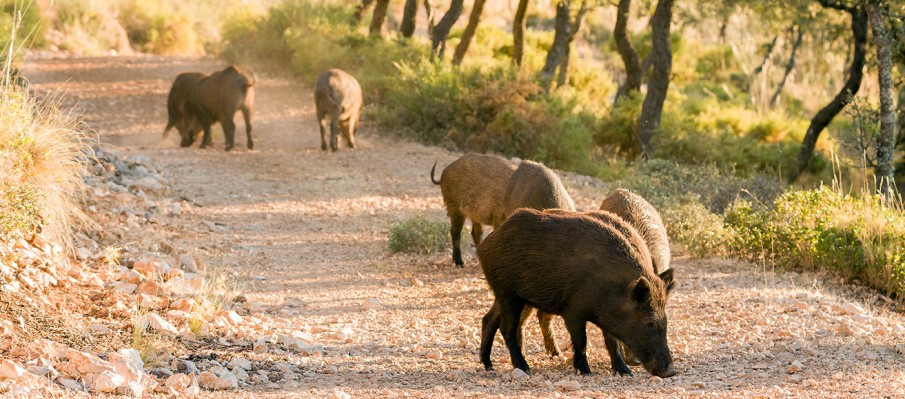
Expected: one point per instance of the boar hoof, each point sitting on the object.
(624, 372)
(229, 148)
(324, 146)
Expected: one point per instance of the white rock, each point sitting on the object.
(436, 354)
(240, 363)
(345, 334)
(338, 394)
(128, 364)
(72, 385)
(86, 363)
(371, 303)
(106, 381)
(187, 263)
(178, 382)
(217, 378)
(240, 373)
(795, 367)
(567, 385)
(848, 308)
(158, 323)
(10, 370)
(100, 329)
(125, 288)
(518, 374)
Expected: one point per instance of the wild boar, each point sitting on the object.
(646, 220)
(337, 95)
(202, 101)
(473, 187)
(639, 213)
(585, 270)
(535, 186)
(179, 111)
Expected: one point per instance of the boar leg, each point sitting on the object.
(477, 233)
(549, 338)
(630, 358)
(616, 359)
(229, 130)
(347, 128)
(206, 140)
(490, 324)
(334, 131)
(456, 221)
(510, 324)
(577, 331)
(322, 123)
(246, 113)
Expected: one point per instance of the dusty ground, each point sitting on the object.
(305, 233)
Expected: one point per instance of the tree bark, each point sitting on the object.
(845, 95)
(563, 77)
(409, 14)
(473, 20)
(658, 84)
(789, 66)
(430, 17)
(886, 140)
(380, 15)
(441, 31)
(560, 43)
(518, 32)
(627, 52)
(360, 11)
(767, 56)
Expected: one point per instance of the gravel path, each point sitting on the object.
(304, 233)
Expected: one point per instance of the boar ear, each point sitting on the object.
(641, 291)
(667, 277)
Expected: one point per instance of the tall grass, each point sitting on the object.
(40, 147)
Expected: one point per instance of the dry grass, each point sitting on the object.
(40, 150)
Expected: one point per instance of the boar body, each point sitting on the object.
(585, 270)
(338, 100)
(473, 187)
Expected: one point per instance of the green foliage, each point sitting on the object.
(19, 211)
(418, 235)
(26, 19)
(859, 237)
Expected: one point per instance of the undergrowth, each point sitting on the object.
(417, 234)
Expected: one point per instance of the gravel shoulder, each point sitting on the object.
(304, 233)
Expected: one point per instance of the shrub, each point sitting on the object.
(42, 176)
(418, 235)
(858, 237)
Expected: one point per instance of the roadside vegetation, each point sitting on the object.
(734, 117)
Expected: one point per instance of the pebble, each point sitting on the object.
(436, 354)
(795, 367)
(10, 370)
(371, 303)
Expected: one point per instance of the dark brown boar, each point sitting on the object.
(585, 270)
(337, 95)
(197, 102)
(179, 111)
(473, 187)
(639, 213)
(535, 186)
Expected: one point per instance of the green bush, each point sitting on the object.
(417, 234)
(858, 237)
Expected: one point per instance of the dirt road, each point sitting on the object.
(305, 233)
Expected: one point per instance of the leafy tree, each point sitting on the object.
(658, 84)
(887, 137)
(473, 19)
(441, 31)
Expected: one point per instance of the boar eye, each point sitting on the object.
(650, 324)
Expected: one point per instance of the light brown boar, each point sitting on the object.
(473, 187)
(337, 95)
(535, 186)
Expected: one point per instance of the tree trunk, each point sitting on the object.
(845, 95)
(409, 14)
(518, 32)
(473, 19)
(886, 141)
(563, 77)
(430, 17)
(767, 56)
(380, 15)
(360, 11)
(627, 52)
(560, 43)
(441, 31)
(789, 66)
(658, 84)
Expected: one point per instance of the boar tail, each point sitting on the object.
(432, 174)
